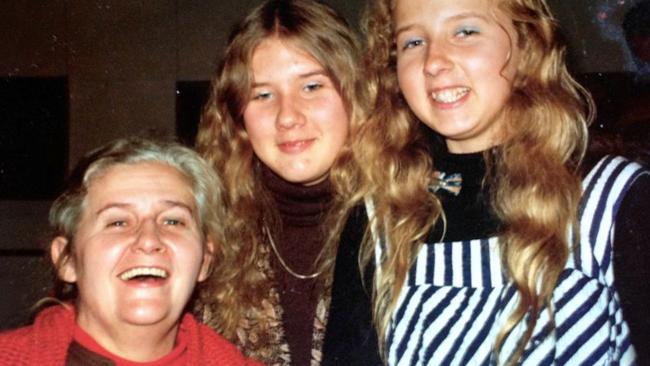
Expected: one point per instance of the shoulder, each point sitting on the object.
(16, 339)
(215, 349)
(50, 334)
(611, 178)
(638, 193)
(57, 318)
(212, 339)
(614, 182)
(630, 218)
(615, 167)
(14, 345)
(610, 183)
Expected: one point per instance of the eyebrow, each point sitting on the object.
(172, 203)
(469, 14)
(168, 203)
(455, 17)
(320, 71)
(305, 75)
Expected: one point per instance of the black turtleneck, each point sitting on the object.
(469, 216)
(299, 241)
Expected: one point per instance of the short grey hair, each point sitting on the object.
(67, 209)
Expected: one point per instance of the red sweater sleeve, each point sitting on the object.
(45, 343)
(13, 345)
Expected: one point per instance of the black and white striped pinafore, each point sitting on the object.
(456, 297)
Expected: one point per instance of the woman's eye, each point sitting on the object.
(261, 95)
(173, 222)
(412, 43)
(313, 86)
(466, 32)
(117, 223)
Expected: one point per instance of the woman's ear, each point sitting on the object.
(208, 257)
(63, 260)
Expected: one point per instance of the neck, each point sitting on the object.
(297, 204)
(493, 136)
(134, 342)
(464, 148)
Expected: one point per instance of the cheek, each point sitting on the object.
(493, 70)
(511, 70)
(249, 120)
(89, 273)
(407, 78)
(335, 120)
(257, 129)
(191, 259)
(100, 256)
(402, 74)
(338, 135)
(502, 59)
(334, 109)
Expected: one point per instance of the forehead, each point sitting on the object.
(272, 48)
(442, 15)
(430, 10)
(145, 180)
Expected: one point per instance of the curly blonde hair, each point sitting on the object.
(237, 287)
(533, 173)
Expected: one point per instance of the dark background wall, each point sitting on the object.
(123, 65)
(128, 66)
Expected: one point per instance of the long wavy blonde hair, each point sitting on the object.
(236, 288)
(533, 174)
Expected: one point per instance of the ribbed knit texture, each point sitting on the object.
(302, 212)
(46, 342)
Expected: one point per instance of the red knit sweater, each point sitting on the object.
(46, 342)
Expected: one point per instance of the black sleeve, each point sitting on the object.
(350, 337)
(632, 264)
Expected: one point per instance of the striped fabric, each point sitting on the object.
(456, 298)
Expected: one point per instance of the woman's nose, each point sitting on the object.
(437, 60)
(289, 113)
(148, 240)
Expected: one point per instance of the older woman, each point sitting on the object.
(135, 231)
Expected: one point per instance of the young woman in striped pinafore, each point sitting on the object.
(491, 246)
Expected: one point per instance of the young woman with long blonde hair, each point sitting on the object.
(275, 128)
(491, 246)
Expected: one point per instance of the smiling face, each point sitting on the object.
(296, 119)
(138, 251)
(456, 60)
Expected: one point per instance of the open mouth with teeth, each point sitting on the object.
(143, 274)
(449, 95)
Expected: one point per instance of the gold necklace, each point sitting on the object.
(283, 263)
